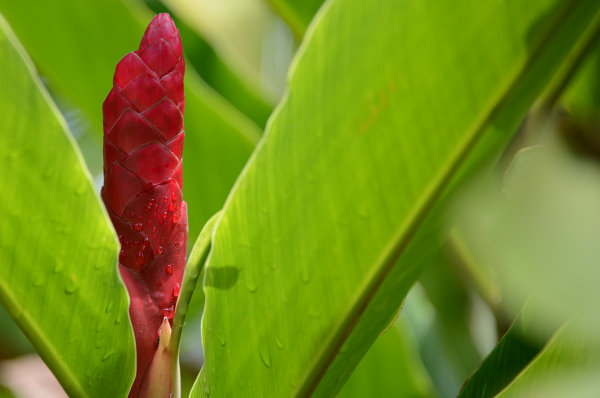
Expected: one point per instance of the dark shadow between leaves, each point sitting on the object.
(221, 278)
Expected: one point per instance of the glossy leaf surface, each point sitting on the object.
(304, 269)
(59, 275)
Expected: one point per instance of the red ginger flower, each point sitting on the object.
(143, 144)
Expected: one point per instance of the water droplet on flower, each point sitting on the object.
(176, 290)
(121, 239)
(169, 269)
(145, 243)
(140, 258)
(168, 312)
(132, 215)
(171, 207)
(174, 218)
(165, 199)
(127, 244)
(149, 205)
(138, 226)
(173, 196)
(160, 250)
(122, 254)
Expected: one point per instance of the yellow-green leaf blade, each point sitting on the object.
(324, 233)
(59, 275)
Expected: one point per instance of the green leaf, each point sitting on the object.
(391, 368)
(59, 276)
(193, 269)
(77, 45)
(297, 13)
(512, 354)
(566, 367)
(320, 239)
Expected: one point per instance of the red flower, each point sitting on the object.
(143, 144)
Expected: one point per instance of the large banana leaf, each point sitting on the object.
(321, 237)
(59, 274)
(77, 45)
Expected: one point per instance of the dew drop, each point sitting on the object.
(305, 274)
(221, 338)
(38, 281)
(165, 199)
(127, 244)
(107, 355)
(165, 215)
(176, 290)
(265, 357)
(132, 215)
(171, 207)
(140, 258)
(169, 269)
(279, 343)
(71, 286)
(80, 189)
(58, 266)
(168, 312)
(175, 219)
(108, 307)
(145, 243)
(138, 226)
(121, 239)
(160, 250)
(122, 254)
(173, 196)
(251, 284)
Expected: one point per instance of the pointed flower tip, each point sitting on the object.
(161, 27)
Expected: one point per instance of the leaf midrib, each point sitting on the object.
(42, 345)
(407, 231)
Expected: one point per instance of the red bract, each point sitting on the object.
(143, 143)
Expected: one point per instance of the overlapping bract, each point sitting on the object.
(143, 144)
